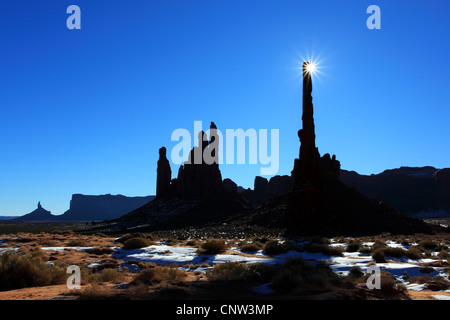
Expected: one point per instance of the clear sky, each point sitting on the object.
(85, 111)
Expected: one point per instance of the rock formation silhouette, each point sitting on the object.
(200, 174)
(310, 167)
(416, 191)
(318, 203)
(40, 214)
(196, 196)
(164, 175)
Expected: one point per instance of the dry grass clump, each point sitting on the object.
(378, 255)
(77, 243)
(191, 243)
(136, 243)
(47, 243)
(427, 244)
(354, 245)
(212, 246)
(96, 291)
(107, 275)
(299, 277)
(158, 274)
(323, 249)
(22, 271)
(274, 247)
(231, 271)
(251, 247)
(414, 253)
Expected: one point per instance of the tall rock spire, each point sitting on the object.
(164, 175)
(306, 167)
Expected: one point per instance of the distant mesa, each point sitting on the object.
(101, 207)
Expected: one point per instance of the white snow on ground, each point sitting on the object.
(416, 287)
(441, 297)
(60, 249)
(8, 249)
(168, 255)
(163, 254)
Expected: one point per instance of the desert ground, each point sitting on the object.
(215, 265)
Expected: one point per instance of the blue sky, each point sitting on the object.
(85, 111)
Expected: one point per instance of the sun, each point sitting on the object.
(311, 67)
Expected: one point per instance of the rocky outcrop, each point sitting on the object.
(265, 190)
(38, 215)
(416, 191)
(200, 174)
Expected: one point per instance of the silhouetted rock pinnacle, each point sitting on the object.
(310, 167)
(199, 176)
(40, 214)
(320, 204)
(164, 175)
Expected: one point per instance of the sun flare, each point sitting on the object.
(311, 67)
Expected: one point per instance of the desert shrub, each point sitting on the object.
(212, 246)
(158, 274)
(274, 247)
(378, 244)
(135, 243)
(101, 235)
(414, 253)
(394, 252)
(231, 271)
(101, 250)
(353, 245)
(96, 291)
(404, 242)
(438, 284)
(356, 272)
(318, 240)
(147, 236)
(77, 243)
(440, 247)
(365, 250)
(324, 249)
(443, 255)
(419, 279)
(426, 269)
(300, 277)
(264, 272)
(172, 241)
(47, 243)
(251, 247)
(378, 255)
(110, 275)
(427, 244)
(21, 271)
(192, 243)
(389, 285)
